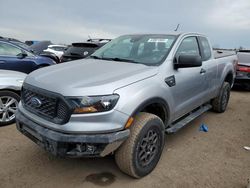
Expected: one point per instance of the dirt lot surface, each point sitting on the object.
(190, 158)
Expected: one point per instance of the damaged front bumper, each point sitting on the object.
(70, 145)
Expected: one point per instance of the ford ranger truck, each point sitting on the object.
(125, 97)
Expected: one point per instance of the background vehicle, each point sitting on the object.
(15, 57)
(31, 42)
(125, 97)
(243, 69)
(10, 87)
(39, 47)
(56, 49)
(83, 49)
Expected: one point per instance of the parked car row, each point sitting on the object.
(81, 50)
(18, 56)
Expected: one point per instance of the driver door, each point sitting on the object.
(190, 85)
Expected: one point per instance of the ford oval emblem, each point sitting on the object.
(35, 102)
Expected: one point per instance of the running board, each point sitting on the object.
(178, 125)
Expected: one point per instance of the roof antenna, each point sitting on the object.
(177, 27)
(89, 38)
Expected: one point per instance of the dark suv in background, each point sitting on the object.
(81, 50)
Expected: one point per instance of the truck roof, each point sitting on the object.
(169, 33)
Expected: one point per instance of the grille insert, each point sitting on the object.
(45, 104)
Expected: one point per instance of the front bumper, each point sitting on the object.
(242, 77)
(70, 145)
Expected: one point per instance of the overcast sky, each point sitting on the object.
(225, 22)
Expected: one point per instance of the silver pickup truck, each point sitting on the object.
(125, 97)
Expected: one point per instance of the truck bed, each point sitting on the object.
(223, 53)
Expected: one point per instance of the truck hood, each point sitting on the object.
(89, 76)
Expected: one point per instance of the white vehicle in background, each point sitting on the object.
(10, 86)
(56, 49)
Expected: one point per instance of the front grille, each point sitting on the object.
(45, 104)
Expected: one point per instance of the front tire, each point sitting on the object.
(140, 153)
(8, 106)
(219, 104)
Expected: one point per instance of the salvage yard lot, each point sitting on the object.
(190, 158)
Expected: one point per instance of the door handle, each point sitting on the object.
(203, 71)
(2, 62)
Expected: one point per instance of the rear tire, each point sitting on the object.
(219, 104)
(140, 153)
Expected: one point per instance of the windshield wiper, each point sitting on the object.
(95, 57)
(115, 59)
(122, 59)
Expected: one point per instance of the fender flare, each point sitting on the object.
(155, 100)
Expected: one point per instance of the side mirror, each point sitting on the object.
(185, 61)
(22, 55)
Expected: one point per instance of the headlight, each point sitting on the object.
(93, 104)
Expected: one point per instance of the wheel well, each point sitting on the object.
(12, 90)
(156, 109)
(229, 78)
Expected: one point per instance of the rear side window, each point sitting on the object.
(189, 46)
(205, 48)
(9, 50)
(80, 51)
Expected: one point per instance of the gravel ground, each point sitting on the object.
(190, 158)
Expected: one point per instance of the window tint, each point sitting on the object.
(123, 49)
(57, 48)
(189, 46)
(206, 48)
(80, 51)
(9, 50)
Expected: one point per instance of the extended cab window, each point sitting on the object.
(189, 46)
(9, 50)
(205, 48)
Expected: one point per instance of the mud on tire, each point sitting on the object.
(141, 152)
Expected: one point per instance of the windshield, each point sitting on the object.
(23, 45)
(145, 49)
